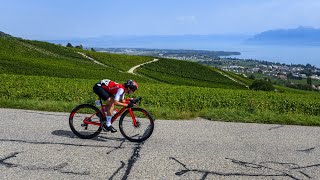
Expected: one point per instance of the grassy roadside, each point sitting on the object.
(41, 105)
(166, 101)
(220, 114)
(265, 117)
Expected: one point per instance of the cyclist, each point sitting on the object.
(113, 93)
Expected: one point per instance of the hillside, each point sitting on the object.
(24, 57)
(44, 76)
(35, 58)
(187, 73)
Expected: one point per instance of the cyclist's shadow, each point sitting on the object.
(69, 134)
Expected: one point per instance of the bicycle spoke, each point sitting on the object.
(141, 130)
(85, 121)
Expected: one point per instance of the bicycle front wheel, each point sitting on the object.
(85, 121)
(140, 131)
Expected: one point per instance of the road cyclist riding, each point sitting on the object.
(135, 124)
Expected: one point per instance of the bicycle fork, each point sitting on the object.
(133, 118)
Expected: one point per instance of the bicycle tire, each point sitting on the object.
(143, 118)
(78, 114)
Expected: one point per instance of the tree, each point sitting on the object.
(252, 77)
(262, 85)
(309, 81)
(307, 72)
(267, 79)
(69, 45)
(79, 47)
(93, 50)
(309, 66)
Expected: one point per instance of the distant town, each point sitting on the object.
(281, 71)
(180, 54)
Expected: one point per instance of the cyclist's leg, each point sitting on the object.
(110, 106)
(105, 96)
(101, 92)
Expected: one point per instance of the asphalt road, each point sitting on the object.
(40, 145)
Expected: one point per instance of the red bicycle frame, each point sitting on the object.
(88, 119)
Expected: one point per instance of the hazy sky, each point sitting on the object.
(55, 19)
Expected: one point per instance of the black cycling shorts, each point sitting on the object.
(103, 94)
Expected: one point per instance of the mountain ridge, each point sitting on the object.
(297, 36)
(3, 34)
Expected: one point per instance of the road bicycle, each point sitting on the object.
(135, 124)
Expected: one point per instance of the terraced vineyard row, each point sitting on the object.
(197, 99)
(117, 61)
(173, 99)
(187, 73)
(44, 59)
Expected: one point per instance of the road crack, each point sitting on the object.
(290, 170)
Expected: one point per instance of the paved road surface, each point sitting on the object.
(40, 145)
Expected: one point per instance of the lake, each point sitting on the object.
(272, 53)
(282, 54)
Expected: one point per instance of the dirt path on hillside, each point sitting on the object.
(131, 70)
(135, 67)
(95, 61)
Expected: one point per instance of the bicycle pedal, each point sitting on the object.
(105, 130)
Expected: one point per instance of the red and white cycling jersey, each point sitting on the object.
(113, 88)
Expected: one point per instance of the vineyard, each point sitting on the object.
(187, 73)
(44, 76)
(36, 58)
(172, 99)
(117, 61)
(197, 99)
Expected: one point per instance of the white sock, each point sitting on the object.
(109, 120)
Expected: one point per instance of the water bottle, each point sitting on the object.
(115, 111)
(98, 103)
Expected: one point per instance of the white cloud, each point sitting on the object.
(186, 19)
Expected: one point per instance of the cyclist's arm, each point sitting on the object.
(118, 103)
(119, 98)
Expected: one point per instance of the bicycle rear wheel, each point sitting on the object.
(143, 129)
(85, 121)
